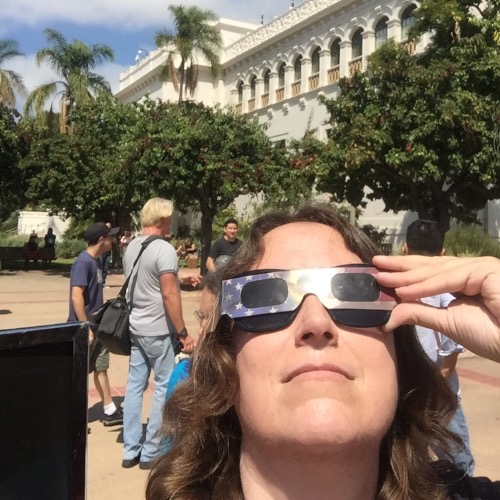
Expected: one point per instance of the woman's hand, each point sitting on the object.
(472, 319)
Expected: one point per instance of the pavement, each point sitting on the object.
(37, 297)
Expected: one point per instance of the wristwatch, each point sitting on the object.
(183, 333)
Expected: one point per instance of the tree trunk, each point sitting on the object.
(206, 238)
(181, 85)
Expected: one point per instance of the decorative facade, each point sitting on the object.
(276, 71)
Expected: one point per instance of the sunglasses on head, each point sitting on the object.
(269, 299)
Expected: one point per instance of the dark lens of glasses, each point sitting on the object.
(264, 293)
(355, 287)
(265, 322)
(360, 318)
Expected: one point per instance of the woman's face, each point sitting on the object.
(314, 383)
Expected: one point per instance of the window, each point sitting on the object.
(407, 21)
(240, 92)
(315, 61)
(281, 75)
(267, 77)
(357, 44)
(253, 80)
(335, 53)
(297, 69)
(381, 32)
(281, 144)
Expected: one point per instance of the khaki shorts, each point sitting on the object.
(99, 358)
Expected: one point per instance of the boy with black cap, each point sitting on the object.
(86, 296)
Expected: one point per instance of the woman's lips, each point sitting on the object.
(317, 371)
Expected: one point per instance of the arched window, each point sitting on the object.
(315, 61)
(267, 78)
(381, 32)
(253, 81)
(357, 44)
(407, 21)
(335, 53)
(240, 92)
(297, 69)
(281, 75)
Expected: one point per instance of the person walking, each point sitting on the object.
(156, 324)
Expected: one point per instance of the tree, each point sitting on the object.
(206, 157)
(92, 173)
(10, 81)
(73, 62)
(423, 132)
(12, 148)
(194, 36)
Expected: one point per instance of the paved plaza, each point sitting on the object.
(30, 298)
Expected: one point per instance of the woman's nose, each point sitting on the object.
(314, 324)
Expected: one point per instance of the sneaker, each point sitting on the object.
(128, 464)
(146, 465)
(115, 419)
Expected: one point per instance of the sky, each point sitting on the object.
(125, 25)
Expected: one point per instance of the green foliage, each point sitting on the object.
(470, 241)
(11, 83)
(195, 34)
(76, 228)
(69, 248)
(77, 83)
(8, 239)
(12, 148)
(422, 132)
(10, 223)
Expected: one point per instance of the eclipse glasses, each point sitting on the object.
(269, 299)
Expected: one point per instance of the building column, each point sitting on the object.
(289, 78)
(394, 30)
(368, 45)
(273, 85)
(345, 57)
(324, 66)
(246, 96)
(305, 73)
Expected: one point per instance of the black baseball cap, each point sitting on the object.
(98, 229)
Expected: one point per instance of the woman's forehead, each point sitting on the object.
(304, 244)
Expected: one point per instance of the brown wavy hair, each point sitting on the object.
(204, 431)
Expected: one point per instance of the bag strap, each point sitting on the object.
(144, 245)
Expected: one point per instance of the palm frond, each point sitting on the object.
(192, 78)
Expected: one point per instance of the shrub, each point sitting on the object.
(13, 240)
(470, 241)
(69, 248)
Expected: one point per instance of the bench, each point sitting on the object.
(19, 253)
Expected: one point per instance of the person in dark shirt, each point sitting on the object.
(31, 251)
(225, 247)
(50, 244)
(86, 296)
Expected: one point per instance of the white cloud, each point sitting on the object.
(129, 14)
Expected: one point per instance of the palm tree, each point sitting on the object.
(10, 81)
(194, 36)
(73, 62)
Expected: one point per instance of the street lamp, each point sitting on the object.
(138, 55)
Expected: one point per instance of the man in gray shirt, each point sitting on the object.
(155, 319)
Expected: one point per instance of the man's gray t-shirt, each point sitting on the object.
(148, 316)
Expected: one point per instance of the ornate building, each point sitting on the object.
(276, 71)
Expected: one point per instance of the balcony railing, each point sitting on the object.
(334, 74)
(251, 104)
(238, 108)
(295, 88)
(314, 81)
(410, 46)
(355, 65)
(280, 94)
(264, 99)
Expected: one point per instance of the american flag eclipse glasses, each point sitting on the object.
(269, 299)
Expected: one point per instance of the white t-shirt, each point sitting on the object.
(436, 345)
(148, 316)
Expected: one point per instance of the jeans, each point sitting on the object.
(461, 456)
(147, 353)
